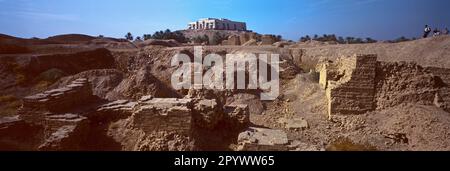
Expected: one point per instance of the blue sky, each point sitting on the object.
(379, 19)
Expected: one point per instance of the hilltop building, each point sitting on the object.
(217, 24)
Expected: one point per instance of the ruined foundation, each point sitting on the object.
(65, 126)
(61, 99)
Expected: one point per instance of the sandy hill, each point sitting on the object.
(68, 43)
(4, 36)
(6, 39)
(434, 51)
(70, 38)
(58, 39)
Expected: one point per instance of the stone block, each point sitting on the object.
(164, 114)
(62, 99)
(262, 139)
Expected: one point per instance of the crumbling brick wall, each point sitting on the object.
(247, 36)
(169, 114)
(172, 114)
(61, 99)
(404, 82)
(359, 84)
(64, 132)
(69, 128)
(232, 40)
(58, 112)
(115, 110)
(349, 84)
(243, 38)
(268, 39)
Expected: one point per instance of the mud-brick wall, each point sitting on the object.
(354, 92)
(61, 99)
(244, 38)
(268, 39)
(404, 82)
(232, 40)
(163, 118)
(323, 78)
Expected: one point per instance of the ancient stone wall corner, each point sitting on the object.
(350, 84)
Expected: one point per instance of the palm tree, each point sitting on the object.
(129, 36)
(147, 36)
(341, 40)
(349, 40)
(370, 40)
(307, 37)
(279, 38)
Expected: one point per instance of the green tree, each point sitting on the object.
(349, 40)
(167, 34)
(304, 39)
(279, 38)
(341, 40)
(370, 40)
(157, 35)
(147, 36)
(359, 40)
(200, 39)
(331, 37)
(324, 38)
(179, 36)
(129, 36)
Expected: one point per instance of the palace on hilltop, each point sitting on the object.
(217, 24)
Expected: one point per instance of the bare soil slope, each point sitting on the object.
(433, 51)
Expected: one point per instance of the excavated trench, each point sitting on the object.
(97, 136)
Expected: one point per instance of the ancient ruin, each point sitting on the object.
(85, 93)
(70, 96)
(67, 128)
(232, 40)
(217, 24)
(163, 114)
(358, 84)
(350, 84)
(268, 39)
(240, 39)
